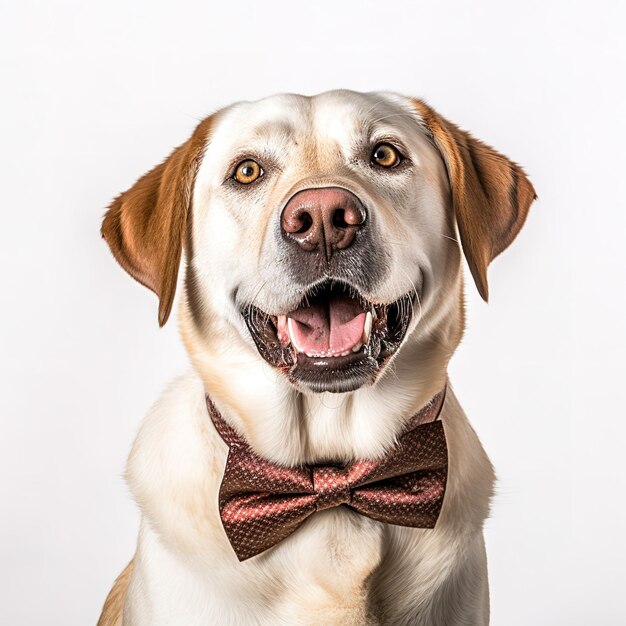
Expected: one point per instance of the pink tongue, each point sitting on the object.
(324, 329)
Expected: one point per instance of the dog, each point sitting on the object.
(317, 245)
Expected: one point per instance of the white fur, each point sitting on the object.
(339, 568)
(328, 572)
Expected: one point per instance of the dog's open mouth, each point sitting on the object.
(335, 340)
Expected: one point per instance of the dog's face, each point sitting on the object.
(320, 233)
(321, 223)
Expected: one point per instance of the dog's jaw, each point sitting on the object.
(335, 340)
(290, 425)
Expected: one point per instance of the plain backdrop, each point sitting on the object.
(93, 94)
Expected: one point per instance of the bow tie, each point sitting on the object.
(262, 503)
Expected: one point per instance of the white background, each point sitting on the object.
(93, 94)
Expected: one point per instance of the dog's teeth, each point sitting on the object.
(357, 347)
(367, 329)
(292, 335)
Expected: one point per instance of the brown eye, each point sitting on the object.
(385, 155)
(247, 172)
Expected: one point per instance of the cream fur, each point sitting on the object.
(339, 568)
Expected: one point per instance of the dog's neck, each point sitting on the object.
(291, 427)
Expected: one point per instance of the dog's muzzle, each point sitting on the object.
(336, 338)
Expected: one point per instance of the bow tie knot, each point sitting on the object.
(331, 486)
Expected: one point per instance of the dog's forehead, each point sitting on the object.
(333, 116)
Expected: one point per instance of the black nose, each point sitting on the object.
(323, 220)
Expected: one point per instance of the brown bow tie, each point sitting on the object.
(262, 503)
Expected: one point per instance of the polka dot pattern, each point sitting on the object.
(262, 503)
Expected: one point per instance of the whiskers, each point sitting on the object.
(385, 117)
(253, 311)
(409, 301)
(397, 242)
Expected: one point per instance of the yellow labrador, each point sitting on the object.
(317, 242)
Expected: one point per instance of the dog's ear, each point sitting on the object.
(145, 225)
(491, 195)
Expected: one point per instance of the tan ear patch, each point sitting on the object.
(491, 195)
(145, 226)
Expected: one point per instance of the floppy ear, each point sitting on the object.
(491, 195)
(145, 226)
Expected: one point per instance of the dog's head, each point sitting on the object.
(319, 233)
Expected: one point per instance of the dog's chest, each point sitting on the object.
(319, 575)
(326, 567)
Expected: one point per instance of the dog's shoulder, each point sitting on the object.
(173, 422)
(182, 400)
(176, 460)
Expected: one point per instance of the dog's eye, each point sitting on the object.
(385, 155)
(247, 172)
